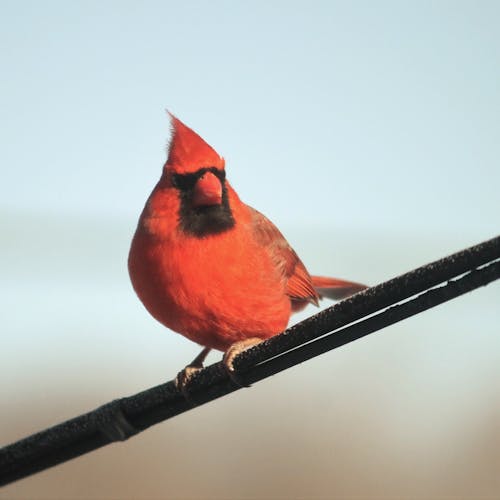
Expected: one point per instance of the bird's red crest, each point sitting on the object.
(188, 152)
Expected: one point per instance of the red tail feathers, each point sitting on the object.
(334, 288)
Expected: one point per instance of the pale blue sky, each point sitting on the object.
(356, 113)
(367, 131)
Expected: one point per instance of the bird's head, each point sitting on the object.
(195, 171)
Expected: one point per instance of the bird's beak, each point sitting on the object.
(207, 191)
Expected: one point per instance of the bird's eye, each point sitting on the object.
(184, 182)
(220, 174)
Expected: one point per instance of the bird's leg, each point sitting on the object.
(235, 350)
(184, 376)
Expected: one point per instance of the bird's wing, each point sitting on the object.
(299, 286)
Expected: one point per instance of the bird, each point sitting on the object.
(212, 268)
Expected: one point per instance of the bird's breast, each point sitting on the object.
(214, 290)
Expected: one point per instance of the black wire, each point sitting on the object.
(389, 316)
(344, 322)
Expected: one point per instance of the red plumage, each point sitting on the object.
(210, 267)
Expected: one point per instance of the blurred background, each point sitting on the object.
(367, 131)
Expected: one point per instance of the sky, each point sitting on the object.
(367, 131)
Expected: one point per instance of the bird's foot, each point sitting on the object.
(230, 355)
(184, 376)
(182, 381)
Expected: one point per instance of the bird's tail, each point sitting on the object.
(334, 288)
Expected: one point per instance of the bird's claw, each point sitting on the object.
(182, 381)
(184, 376)
(232, 353)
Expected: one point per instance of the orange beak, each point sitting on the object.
(207, 191)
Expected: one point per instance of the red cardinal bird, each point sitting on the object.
(212, 268)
